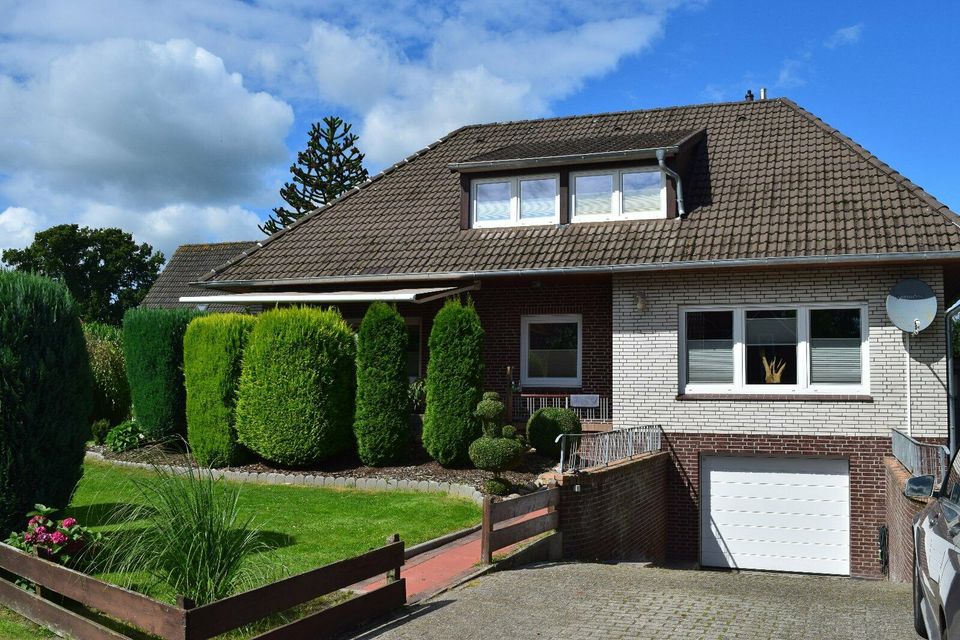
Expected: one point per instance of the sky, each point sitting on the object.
(178, 120)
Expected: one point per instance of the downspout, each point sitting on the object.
(661, 154)
(950, 316)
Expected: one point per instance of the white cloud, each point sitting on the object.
(795, 71)
(17, 227)
(844, 36)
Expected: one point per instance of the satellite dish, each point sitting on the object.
(912, 305)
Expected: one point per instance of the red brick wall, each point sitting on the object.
(867, 485)
(619, 513)
(901, 512)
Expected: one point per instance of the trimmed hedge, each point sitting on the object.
(546, 424)
(153, 348)
(454, 382)
(45, 395)
(111, 391)
(212, 356)
(296, 397)
(382, 422)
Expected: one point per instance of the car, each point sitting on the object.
(936, 558)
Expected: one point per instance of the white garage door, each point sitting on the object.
(778, 514)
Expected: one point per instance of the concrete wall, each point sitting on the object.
(617, 512)
(901, 512)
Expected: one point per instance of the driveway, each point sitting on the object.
(599, 601)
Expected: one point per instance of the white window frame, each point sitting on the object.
(514, 220)
(616, 204)
(803, 386)
(525, 322)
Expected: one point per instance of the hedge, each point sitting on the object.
(454, 382)
(382, 421)
(153, 348)
(546, 424)
(212, 356)
(296, 397)
(45, 395)
(111, 391)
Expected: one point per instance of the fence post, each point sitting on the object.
(486, 555)
(394, 574)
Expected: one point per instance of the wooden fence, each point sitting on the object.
(186, 622)
(511, 514)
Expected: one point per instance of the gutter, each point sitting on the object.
(950, 316)
(799, 261)
(661, 154)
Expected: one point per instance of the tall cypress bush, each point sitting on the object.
(212, 356)
(111, 391)
(382, 422)
(45, 395)
(454, 383)
(153, 348)
(296, 397)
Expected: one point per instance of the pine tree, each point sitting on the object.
(330, 166)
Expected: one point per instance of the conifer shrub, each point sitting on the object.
(454, 382)
(153, 349)
(45, 395)
(295, 402)
(498, 449)
(111, 391)
(382, 422)
(546, 424)
(212, 357)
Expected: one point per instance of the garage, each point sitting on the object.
(775, 514)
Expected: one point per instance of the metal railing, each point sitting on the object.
(583, 450)
(526, 404)
(920, 458)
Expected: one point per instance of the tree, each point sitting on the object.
(330, 166)
(105, 271)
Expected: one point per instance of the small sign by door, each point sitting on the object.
(584, 400)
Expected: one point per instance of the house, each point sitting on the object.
(720, 270)
(191, 262)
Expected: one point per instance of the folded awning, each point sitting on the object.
(417, 296)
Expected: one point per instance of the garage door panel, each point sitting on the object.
(783, 514)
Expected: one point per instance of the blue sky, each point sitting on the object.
(177, 120)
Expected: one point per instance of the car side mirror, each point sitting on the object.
(919, 487)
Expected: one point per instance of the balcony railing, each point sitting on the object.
(580, 451)
(526, 404)
(920, 458)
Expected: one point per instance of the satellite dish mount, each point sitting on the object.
(911, 307)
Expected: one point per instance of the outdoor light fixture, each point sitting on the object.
(641, 302)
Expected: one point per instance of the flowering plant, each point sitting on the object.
(58, 541)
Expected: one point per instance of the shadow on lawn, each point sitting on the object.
(101, 514)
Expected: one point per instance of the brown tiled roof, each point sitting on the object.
(584, 146)
(770, 182)
(189, 263)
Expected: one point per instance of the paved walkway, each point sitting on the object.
(594, 601)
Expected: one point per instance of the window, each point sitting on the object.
(618, 194)
(502, 202)
(775, 349)
(551, 350)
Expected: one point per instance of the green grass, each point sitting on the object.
(15, 627)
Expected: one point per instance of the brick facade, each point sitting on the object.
(618, 513)
(867, 487)
(901, 512)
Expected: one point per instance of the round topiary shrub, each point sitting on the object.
(454, 381)
(111, 391)
(496, 454)
(546, 424)
(296, 397)
(212, 356)
(153, 348)
(382, 422)
(45, 395)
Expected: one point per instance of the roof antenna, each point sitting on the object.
(749, 96)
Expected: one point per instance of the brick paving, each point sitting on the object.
(593, 601)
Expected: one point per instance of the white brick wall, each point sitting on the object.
(646, 352)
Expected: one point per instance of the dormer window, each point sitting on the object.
(618, 194)
(514, 201)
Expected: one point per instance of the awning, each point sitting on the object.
(417, 296)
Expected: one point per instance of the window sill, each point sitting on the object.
(773, 397)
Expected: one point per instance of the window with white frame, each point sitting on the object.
(551, 350)
(514, 201)
(775, 349)
(617, 194)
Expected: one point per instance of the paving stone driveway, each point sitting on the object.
(594, 601)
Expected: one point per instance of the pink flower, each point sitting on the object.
(68, 522)
(41, 530)
(58, 538)
(34, 520)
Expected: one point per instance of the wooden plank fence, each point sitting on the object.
(517, 527)
(186, 622)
